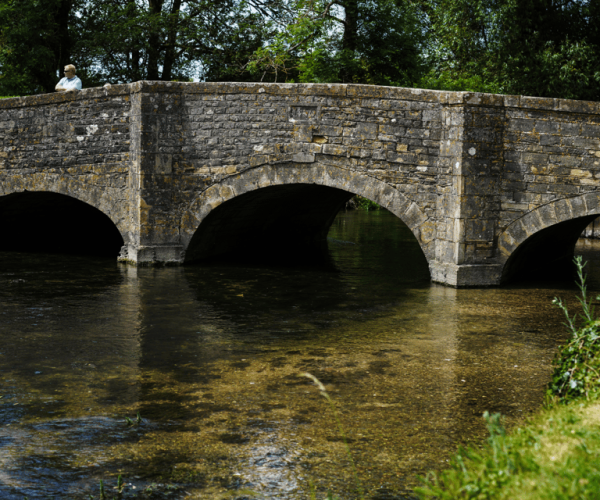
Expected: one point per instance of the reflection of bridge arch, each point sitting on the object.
(310, 197)
(48, 221)
(547, 235)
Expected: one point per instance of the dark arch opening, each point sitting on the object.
(547, 254)
(275, 224)
(48, 222)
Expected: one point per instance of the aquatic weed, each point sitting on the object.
(130, 422)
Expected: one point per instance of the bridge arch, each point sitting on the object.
(108, 200)
(54, 217)
(546, 236)
(320, 191)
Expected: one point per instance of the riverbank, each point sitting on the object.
(556, 454)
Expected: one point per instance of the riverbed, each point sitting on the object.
(211, 357)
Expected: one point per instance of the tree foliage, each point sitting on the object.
(346, 41)
(128, 40)
(533, 47)
(547, 48)
(172, 40)
(34, 42)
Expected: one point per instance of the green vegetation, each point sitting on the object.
(348, 41)
(137, 421)
(577, 366)
(532, 47)
(557, 454)
(361, 203)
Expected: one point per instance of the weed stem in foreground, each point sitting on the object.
(324, 393)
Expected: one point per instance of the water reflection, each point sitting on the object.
(210, 356)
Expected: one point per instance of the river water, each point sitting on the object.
(212, 357)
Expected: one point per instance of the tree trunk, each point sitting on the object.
(349, 39)
(154, 46)
(60, 43)
(171, 41)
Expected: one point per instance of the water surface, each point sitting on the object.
(211, 357)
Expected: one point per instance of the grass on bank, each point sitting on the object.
(556, 455)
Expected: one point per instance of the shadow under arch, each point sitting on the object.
(541, 243)
(49, 222)
(287, 207)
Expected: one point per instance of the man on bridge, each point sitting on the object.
(70, 81)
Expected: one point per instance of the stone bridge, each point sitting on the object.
(489, 185)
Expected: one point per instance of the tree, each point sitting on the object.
(161, 40)
(122, 41)
(35, 44)
(547, 48)
(348, 41)
(166, 40)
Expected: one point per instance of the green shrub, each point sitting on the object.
(365, 204)
(577, 364)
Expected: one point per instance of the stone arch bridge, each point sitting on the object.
(488, 184)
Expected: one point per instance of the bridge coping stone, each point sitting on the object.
(308, 89)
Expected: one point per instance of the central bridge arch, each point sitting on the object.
(247, 207)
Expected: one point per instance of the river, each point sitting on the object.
(212, 357)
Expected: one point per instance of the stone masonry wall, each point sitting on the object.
(461, 169)
(552, 151)
(201, 135)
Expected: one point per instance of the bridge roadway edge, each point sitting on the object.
(470, 165)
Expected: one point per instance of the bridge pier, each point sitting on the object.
(162, 255)
(471, 161)
(466, 275)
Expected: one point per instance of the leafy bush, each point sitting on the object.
(577, 365)
(365, 204)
